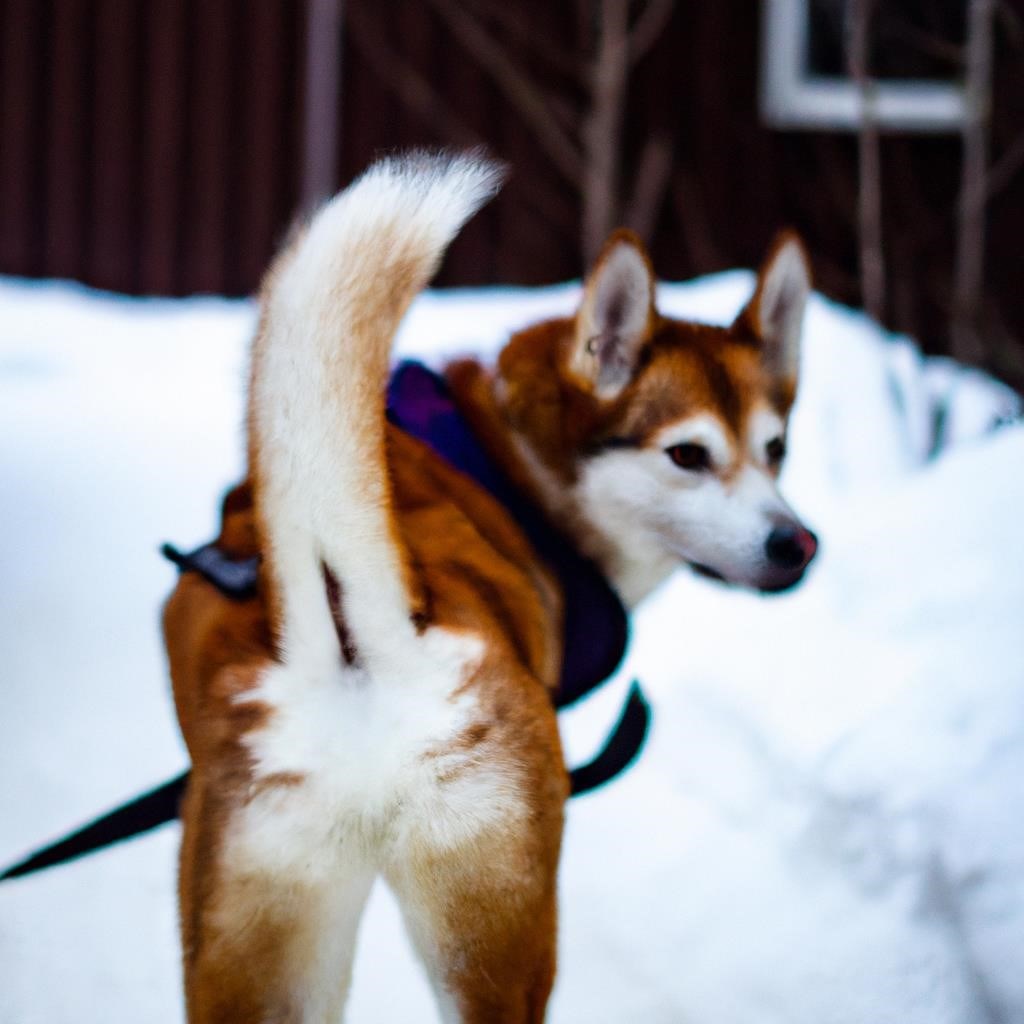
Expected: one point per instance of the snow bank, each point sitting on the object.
(827, 824)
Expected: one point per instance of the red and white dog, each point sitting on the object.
(382, 708)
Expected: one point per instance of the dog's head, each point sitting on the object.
(660, 440)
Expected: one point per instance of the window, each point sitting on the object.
(795, 93)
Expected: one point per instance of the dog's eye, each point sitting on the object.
(775, 451)
(694, 457)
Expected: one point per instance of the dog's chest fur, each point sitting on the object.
(348, 764)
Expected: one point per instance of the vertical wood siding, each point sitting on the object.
(148, 147)
(155, 146)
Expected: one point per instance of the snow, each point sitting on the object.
(828, 824)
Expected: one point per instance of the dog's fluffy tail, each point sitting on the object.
(331, 306)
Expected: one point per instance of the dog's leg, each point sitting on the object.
(263, 942)
(479, 901)
(487, 941)
(276, 951)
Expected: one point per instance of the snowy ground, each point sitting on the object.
(828, 825)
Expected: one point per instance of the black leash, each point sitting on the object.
(142, 814)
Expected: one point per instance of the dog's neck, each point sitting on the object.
(481, 397)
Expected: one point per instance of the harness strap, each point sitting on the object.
(237, 580)
(595, 626)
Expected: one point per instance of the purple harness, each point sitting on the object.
(596, 627)
(595, 624)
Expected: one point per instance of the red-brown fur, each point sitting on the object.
(469, 568)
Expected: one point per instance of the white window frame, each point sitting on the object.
(792, 97)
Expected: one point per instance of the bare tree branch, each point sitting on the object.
(869, 196)
(648, 27)
(592, 165)
(602, 129)
(927, 42)
(405, 82)
(1011, 23)
(530, 101)
(654, 171)
(320, 127)
(516, 27)
(417, 94)
(698, 236)
(1006, 168)
(585, 25)
(970, 256)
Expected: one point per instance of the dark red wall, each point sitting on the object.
(147, 146)
(156, 147)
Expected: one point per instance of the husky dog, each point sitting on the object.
(383, 707)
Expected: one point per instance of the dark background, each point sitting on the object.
(158, 147)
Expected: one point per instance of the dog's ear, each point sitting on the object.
(774, 315)
(615, 317)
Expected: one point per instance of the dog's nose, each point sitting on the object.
(790, 546)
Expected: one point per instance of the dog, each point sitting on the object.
(382, 707)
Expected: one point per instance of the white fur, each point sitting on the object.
(780, 302)
(704, 429)
(613, 319)
(764, 425)
(368, 786)
(649, 514)
(317, 399)
(377, 792)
